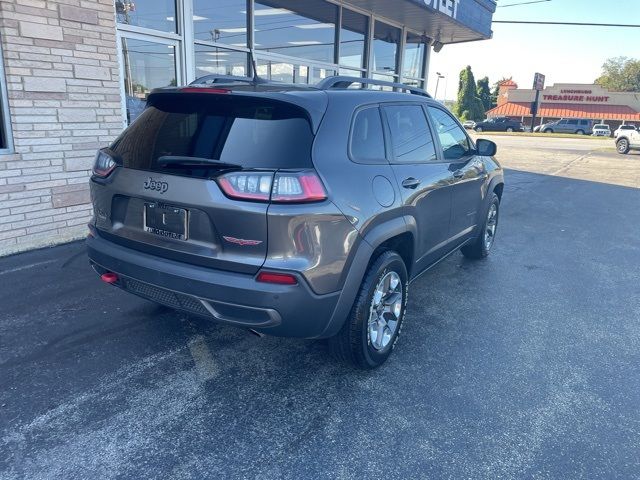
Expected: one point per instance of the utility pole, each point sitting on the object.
(435, 95)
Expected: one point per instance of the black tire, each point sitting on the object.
(509, 129)
(547, 130)
(353, 344)
(480, 248)
(622, 146)
(478, 129)
(580, 132)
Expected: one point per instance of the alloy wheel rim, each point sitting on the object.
(492, 224)
(386, 307)
(622, 145)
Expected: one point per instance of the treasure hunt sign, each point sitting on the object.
(580, 96)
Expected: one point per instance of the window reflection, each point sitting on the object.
(147, 65)
(275, 70)
(413, 56)
(385, 47)
(352, 39)
(155, 14)
(220, 61)
(222, 21)
(297, 29)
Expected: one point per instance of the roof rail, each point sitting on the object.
(339, 81)
(211, 79)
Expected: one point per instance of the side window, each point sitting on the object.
(584, 122)
(573, 122)
(454, 141)
(562, 122)
(367, 137)
(410, 134)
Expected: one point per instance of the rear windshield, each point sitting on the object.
(246, 131)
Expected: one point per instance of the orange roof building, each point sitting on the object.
(565, 100)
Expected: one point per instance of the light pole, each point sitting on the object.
(435, 95)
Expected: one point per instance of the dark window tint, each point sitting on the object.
(573, 122)
(367, 137)
(246, 131)
(410, 134)
(584, 122)
(453, 140)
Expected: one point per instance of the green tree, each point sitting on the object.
(620, 74)
(484, 93)
(469, 106)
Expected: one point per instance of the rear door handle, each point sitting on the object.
(458, 173)
(410, 182)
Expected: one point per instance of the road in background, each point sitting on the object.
(524, 365)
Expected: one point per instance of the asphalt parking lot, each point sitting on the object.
(525, 365)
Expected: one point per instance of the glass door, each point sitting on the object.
(147, 63)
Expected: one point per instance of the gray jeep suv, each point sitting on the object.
(290, 210)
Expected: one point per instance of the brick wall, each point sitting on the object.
(64, 97)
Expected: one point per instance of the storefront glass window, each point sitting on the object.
(385, 47)
(147, 65)
(221, 21)
(275, 70)
(155, 14)
(210, 60)
(353, 34)
(318, 74)
(297, 29)
(413, 56)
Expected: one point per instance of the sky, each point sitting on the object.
(565, 54)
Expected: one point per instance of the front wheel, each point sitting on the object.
(481, 246)
(580, 132)
(622, 146)
(370, 333)
(478, 129)
(548, 130)
(509, 129)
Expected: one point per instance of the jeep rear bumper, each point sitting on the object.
(228, 297)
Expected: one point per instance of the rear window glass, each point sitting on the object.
(247, 131)
(367, 137)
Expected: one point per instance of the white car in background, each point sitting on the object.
(469, 124)
(601, 130)
(622, 128)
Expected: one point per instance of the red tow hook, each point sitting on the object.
(109, 277)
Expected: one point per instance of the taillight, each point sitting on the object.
(283, 187)
(104, 164)
(297, 187)
(247, 186)
(277, 278)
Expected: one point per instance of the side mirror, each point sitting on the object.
(486, 148)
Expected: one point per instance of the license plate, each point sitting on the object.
(165, 221)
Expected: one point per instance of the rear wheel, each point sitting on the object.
(370, 333)
(580, 132)
(481, 246)
(478, 129)
(548, 130)
(509, 129)
(622, 146)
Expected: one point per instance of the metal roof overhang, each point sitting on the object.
(435, 18)
(566, 110)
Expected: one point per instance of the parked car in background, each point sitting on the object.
(235, 201)
(628, 140)
(601, 130)
(469, 124)
(499, 124)
(621, 128)
(577, 126)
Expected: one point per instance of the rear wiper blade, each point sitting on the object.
(191, 162)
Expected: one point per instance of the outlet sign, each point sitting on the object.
(448, 7)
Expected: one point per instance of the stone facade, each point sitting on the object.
(62, 78)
